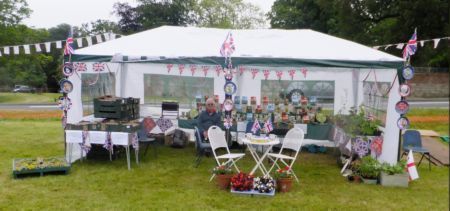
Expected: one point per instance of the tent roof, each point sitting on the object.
(181, 42)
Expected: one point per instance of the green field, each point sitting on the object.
(170, 181)
(28, 98)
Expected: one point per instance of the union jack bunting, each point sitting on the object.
(410, 48)
(256, 126)
(68, 49)
(227, 47)
(228, 122)
(268, 126)
(98, 67)
(80, 67)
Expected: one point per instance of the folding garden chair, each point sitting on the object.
(413, 141)
(201, 147)
(292, 141)
(217, 140)
(147, 125)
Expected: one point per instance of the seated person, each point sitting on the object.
(208, 118)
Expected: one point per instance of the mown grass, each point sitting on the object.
(28, 98)
(170, 181)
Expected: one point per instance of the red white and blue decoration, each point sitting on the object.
(408, 72)
(64, 103)
(268, 126)
(256, 127)
(402, 107)
(98, 67)
(403, 123)
(164, 124)
(404, 90)
(411, 47)
(80, 67)
(68, 69)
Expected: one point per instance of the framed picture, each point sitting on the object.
(66, 86)
(402, 107)
(408, 72)
(404, 90)
(403, 123)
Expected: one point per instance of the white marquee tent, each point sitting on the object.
(325, 57)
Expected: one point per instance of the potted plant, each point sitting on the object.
(394, 175)
(242, 182)
(284, 179)
(369, 169)
(223, 176)
(264, 184)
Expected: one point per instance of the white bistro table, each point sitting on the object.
(259, 158)
(99, 137)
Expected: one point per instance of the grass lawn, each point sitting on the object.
(170, 181)
(28, 98)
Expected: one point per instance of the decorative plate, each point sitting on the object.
(404, 90)
(270, 107)
(402, 107)
(403, 123)
(229, 76)
(408, 72)
(66, 86)
(64, 103)
(230, 88)
(68, 69)
(228, 105)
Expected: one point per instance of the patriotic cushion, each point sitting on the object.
(148, 124)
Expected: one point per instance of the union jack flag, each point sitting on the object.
(80, 67)
(256, 126)
(268, 126)
(98, 67)
(228, 46)
(228, 122)
(68, 49)
(410, 48)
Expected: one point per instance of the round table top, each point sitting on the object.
(268, 143)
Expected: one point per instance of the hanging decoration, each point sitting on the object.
(422, 43)
(169, 67)
(408, 72)
(230, 88)
(266, 74)
(64, 103)
(218, 70)
(402, 107)
(377, 145)
(68, 69)
(241, 70)
(193, 67)
(98, 67)
(108, 145)
(403, 123)
(279, 74)
(361, 147)
(85, 145)
(205, 70)
(304, 72)
(135, 141)
(181, 68)
(404, 90)
(227, 122)
(291, 73)
(80, 67)
(254, 72)
(66, 86)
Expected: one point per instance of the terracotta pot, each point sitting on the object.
(223, 181)
(357, 179)
(284, 184)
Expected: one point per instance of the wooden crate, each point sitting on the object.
(116, 108)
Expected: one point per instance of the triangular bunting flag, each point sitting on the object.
(107, 37)
(266, 73)
(38, 47)
(422, 43)
(27, 49)
(376, 47)
(99, 38)
(181, 68)
(16, 49)
(400, 45)
(205, 70)
(47, 47)
(80, 42)
(193, 67)
(436, 41)
(6, 50)
(58, 44)
(89, 40)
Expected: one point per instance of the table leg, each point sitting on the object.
(70, 154)
(261, 160)
(127, 149)
(136, 153)
(256, 158)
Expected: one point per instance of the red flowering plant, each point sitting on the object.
(242, 182)
(283, 173)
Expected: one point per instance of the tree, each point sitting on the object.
(229, 14)
(97, 27)
(13, 11)
(372, 22)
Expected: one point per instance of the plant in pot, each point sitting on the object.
(394, 175)
(242, 182)
(223, 176)
(284, 179)
(369, 169)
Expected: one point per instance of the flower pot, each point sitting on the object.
(284, 184)
(369, 181)
(356, 179)
(396, 180)
(223, 181)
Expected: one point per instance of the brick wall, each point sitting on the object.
(430, 85)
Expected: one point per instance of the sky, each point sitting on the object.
(50, 13)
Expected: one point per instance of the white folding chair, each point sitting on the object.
(217, 140)
(293, 141)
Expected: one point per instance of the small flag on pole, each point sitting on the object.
(411, 47)
(255, 126)
(68, 49)
(227, 47)
(268, 126)
(411, 167)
